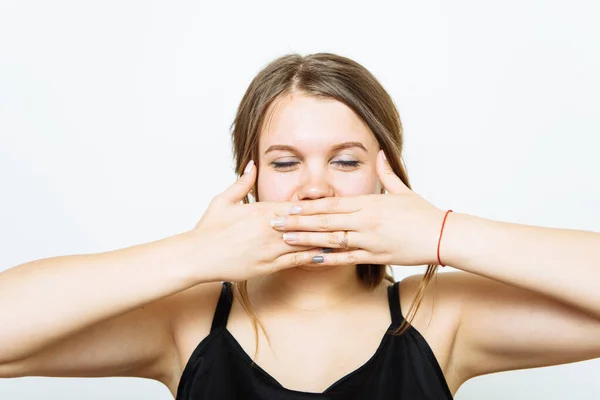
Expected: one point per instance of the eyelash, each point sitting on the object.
(343, 163)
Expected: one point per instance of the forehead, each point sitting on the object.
(298, 119)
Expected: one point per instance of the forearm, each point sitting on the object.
(45, 300)
(560, 263)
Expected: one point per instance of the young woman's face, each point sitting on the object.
(312, 148)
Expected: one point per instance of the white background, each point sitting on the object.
(115, 116)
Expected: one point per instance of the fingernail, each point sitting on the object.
(296, 210)
(290, 236)
(278, 222)
(249, 166)
(326, 249)
(318, 259)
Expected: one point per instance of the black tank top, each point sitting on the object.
(403, 367)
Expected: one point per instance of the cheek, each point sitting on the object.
(355, 185)
(275, 186)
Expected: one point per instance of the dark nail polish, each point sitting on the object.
(318, 259)
(326, 250)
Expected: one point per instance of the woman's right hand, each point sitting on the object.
(234, 241)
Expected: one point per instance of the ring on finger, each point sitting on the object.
(344, 242)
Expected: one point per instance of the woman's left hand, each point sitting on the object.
(398, 228)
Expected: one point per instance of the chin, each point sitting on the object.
(313, 267)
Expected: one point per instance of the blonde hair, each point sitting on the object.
(323, 75)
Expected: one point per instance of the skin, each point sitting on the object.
(299, 160)
(327, 301)
(541, 299)
(309, 310)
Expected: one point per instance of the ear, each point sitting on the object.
(388, 178)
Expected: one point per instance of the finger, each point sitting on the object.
(323, 239)
(350, 257)
(390, 181)
(276, 208)
(327, 205)
(242, 186)
(315, 223)
(296, 259)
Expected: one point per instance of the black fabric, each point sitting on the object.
(403, 367)
(223, 306)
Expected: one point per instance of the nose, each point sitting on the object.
(315, 185)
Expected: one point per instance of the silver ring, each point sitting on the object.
(344, 242)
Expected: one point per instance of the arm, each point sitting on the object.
(529, 299)
(562, 264)
(117, 313)
(93, 306)
(529, 296)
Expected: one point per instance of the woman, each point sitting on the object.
(311, 312)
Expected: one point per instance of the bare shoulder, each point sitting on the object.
(190, 312)
(438, 316)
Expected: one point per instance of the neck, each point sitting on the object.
(307, 288)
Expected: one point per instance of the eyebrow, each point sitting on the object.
(337, 147)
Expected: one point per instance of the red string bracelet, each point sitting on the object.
(440, 240)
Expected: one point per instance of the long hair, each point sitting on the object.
(322, 75)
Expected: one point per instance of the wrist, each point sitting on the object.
(457, 238)
(441, 235)
(196, 264)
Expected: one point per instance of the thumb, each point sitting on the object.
(390, 181)
(242, 186)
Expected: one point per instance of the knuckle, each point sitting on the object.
(332, 204)
(297, 259)
(332, 238)
(216, 201)
(323, 222)
(274, 267)
(374, 219)
(265, 267)
(241, 180)
(351, 258)
(274, 263)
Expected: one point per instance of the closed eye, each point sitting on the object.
(289, 164)
(284, 165)
(345, 163)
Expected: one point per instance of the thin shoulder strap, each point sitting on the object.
(394, 300)
(223, 307)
